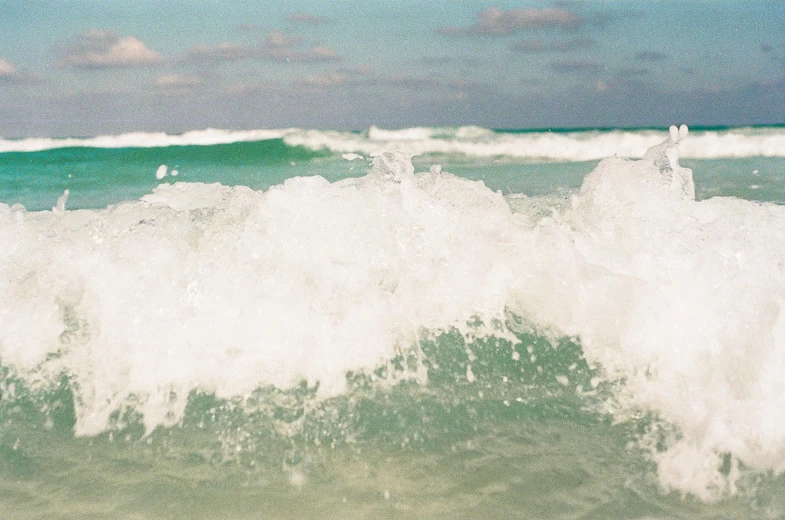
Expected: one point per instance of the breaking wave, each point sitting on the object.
(676, 305)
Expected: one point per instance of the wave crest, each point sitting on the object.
(470, 141)
(225, 290)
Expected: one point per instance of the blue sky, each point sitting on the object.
(90, 67)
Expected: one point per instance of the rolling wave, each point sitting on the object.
(470, 141)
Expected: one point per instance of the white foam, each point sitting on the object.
(59, 206)
(553, 146)
(405, 134)
(470, 141)
(687, 306)
(206, 137)
(227, 289)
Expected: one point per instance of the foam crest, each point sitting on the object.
(544, 145)
(481, 143)
(693, 299)
(227, 290)
(470, 141)
(206, 137)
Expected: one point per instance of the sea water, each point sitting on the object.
(419, 323)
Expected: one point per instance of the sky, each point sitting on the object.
(89, 67)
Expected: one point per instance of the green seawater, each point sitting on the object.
(530, 434)
(97, 177)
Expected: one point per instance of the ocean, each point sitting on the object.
(429, 323)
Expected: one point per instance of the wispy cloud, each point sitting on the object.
(281, 47)
(10, 73)
(577, 67)
(365, 77)
(277, 46)
(104, 48)
(177, 81)
(7, 69)
(329, 79)
(314, 54)
(553, 46)
(340, 78)
(633, 71)
(651, 56)
(497, 22)
(277, 39)
(458, 61)
(223, 52)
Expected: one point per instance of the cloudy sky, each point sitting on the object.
(85, 67)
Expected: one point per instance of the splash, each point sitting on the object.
(225, 290)
(694, 313)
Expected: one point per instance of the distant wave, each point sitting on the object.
(210, 136)
(569, 146)
(470, 141)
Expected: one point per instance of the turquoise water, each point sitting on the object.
(97, 177)
(400, 344)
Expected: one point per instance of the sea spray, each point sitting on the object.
(694, 321)
(312, 294)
